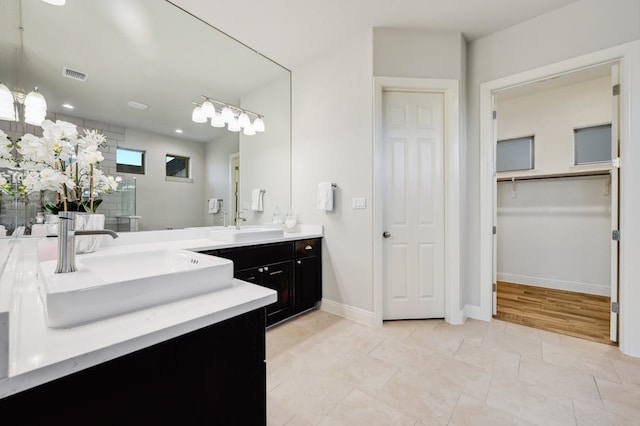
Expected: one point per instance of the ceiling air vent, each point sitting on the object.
(73, 74)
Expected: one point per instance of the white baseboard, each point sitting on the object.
(349, 312)
(555, 284)
(474, 312)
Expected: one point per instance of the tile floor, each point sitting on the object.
(325, 370)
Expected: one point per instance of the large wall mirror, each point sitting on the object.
(152, 53)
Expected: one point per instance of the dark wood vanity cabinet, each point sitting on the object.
(212, 376)
(308, 274)
(278, 277)
(292, 268)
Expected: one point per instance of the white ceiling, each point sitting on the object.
(292, 31)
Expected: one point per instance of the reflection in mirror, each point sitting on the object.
(132, 69)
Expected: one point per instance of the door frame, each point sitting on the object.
(451, 90)
(487, 203)
(232, 191)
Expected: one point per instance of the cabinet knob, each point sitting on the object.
(299, 262)
(308, 248)
(386, 234)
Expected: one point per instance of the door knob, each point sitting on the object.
(386, 234)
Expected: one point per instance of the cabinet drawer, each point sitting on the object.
(307, 247)
(250, 257)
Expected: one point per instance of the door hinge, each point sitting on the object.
(615, 307)
(495, 287)
(495, 230)
(616, 90)
(495, 114)
(616, 163)
(615, 235)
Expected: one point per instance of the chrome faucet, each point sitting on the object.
(238, 219)
(67, 241)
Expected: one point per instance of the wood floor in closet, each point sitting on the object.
(565, 312)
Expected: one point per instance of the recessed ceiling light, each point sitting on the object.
(68, 106)
(178, 130)
(138, 105)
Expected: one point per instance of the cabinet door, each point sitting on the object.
(308, 285)
(279, 277)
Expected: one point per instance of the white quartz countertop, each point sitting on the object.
(37, 354)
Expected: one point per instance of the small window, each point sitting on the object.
(592, 144)
(177, 166)
(130, 161)
(514, 154)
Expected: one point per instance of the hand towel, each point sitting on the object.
(325, 196)
(257, 204)
(214, 205)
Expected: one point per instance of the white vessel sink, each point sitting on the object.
(245, 234)
(107, 285)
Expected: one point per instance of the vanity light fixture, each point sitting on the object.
(234, 117)
(35, 106)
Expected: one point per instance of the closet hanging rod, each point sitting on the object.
(555, 176)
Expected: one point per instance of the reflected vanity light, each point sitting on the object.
(55, 2)
(234, 117)
(35, 106)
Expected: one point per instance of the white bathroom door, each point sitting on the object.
(413, 126)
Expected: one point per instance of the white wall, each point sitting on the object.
(165, 204)
(577, 29)
(551, 116)
(418, 53)
(332, 141)
(217, 154)
(265, 158)
(555, 233)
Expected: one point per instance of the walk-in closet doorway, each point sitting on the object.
(556, 192)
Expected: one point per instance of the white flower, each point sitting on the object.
(89, 155)
(60, 130)
(48, 180)
(5, 145)
(101, 182)
(92, 138)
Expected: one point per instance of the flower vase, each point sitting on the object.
(88, 222)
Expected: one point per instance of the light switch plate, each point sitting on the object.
(359, 203)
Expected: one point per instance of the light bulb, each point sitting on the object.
(217, 121)
(198, 116)
(227, 114)
(258, 124)
(35, 108)
(243, 120)
(234, 126)
(7, 106)
(208, 109)
(249, 130)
